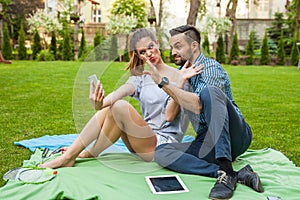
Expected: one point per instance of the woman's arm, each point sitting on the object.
(98, 100)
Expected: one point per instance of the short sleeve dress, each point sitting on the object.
(153, 102)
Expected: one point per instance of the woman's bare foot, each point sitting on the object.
(85, 154)
(58, 162)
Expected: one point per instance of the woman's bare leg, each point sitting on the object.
(89, 133)
(124, 121)
(139, 136)
(107, 126)
(109, 134)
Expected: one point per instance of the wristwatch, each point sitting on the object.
(164, 81)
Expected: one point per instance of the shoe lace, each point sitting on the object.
(222, 178)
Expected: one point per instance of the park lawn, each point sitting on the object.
(48, 98)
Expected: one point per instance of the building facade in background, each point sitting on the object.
(250, 17)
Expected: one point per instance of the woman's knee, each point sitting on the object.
(120, 105)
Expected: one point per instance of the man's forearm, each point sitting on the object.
(188, 100)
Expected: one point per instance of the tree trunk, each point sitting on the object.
(297, 27)
(160, 13)
(193, 13)
(230, 13)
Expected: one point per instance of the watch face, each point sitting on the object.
(164, 81)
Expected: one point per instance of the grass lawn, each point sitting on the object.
(47, 98)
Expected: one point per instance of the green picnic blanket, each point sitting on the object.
(122, 176)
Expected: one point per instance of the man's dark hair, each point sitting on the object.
(190, 31)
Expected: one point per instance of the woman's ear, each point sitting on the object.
(157, 43)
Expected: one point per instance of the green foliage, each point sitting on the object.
(45, 55)
(171, 56)
(294, 54)
(205, 45)
(277, 25)
(272, 47)
(98, 46)
(281, 51)
(257, 42)
(67, 53)
(250, 49)
(126, 54)
(113, 51)
(217, 25)
(264, 51)
(234, 51)
(36, 46)
(6, 45)
(136, 8)
(220, 51)
(82, 47)
(52, 48)
(22, 51)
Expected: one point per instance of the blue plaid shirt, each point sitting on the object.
(213, 75)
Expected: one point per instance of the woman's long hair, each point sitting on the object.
(136, 65)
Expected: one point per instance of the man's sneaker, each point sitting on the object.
(224, 187)
(248, 177)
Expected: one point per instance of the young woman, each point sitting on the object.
(117, 118)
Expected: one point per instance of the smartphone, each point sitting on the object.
(94, 79)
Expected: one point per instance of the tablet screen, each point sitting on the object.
(166, 184)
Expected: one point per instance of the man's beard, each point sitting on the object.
(180, 62)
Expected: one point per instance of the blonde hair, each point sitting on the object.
(136, 65)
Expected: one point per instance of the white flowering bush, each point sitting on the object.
(44, 22)
(121, 24)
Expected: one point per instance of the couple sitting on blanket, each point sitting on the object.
(201, 88)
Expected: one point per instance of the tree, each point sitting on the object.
(67, 53)
(281, 51)
(294, 53)
(22, 51)
(274, 31)
(250, 49)
(297, 26)
(36, 46)
(97, 46)
(217, 26)
(137, 8)
(290, 30)
(52, 48)
(231, 14)
(205, 45)
(234, 51)
(158, 23)
(264, 51)
(220, 51)
(82, 47)
(193, 13)
(197, 10)
(6, 44)
(17, 11)
(46, 23)
(122, 25)
(113, 51)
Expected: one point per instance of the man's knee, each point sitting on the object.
(161, 155)
(211, 93)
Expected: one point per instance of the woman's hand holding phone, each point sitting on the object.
(96, 92)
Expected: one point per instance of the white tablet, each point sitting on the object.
(166, 184)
